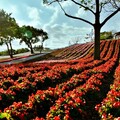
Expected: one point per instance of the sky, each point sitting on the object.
(62, 31)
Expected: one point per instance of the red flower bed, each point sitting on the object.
(110, 106)
(63, 90)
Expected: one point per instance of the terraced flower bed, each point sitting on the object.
(69, 88)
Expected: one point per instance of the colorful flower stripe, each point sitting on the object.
(45, 96)
(50, 95)
(84, 52)
(68, 102)
(72, 85)
(109, 109)
(30, 83)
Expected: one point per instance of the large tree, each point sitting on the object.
(97, 8)
(30, 35)
(8, 30)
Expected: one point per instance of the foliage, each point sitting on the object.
(5, 52)
(38, 48)
(8, 26)
(31, 35)
(5, 115)
(22, 50)
(18, 51)
(8, 30)
(106, 35)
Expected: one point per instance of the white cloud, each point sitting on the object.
(61, 35)
(67, 3)
(80, 13)
(34, 15)
(53, 18)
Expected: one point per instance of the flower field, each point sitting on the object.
(73, 86)
(69, 53)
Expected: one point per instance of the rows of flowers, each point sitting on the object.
(47, 97)
(92, 85)
(56, 91)
(84, 57)
(23, 86)
(73, 51)
(106, 46)
(79, 51)
(109, 108)
(102, 44)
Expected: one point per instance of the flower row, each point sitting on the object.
(79, 108)
(47, 97)
(43, 98)
(110, 106)
(77, 83)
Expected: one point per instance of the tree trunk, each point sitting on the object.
(31, 49)
(97, 43)
(97, 27)
(8, 50)
(41, 47)
(11, 50)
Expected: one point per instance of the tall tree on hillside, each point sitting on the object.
(8, 30)
(31, 35)
(96, 8)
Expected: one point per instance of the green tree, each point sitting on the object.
(43, 37)
(96, 8)
(8, 30)
(106, 35)
(31, 35)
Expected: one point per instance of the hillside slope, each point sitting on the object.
(68, 53)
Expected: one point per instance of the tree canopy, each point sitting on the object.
(8, 30)
(31, 35)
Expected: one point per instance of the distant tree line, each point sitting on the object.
(18, 51)
(103, 35)
(10, 30)
(106, 35)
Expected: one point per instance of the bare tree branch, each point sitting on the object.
(103, 4)
(74, 17)
(114, 4)
(54, 1)
(79, 19)
(83, 6)
(110, 16)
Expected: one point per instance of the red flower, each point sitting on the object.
(78, 100)
(56, 118)
(116, 104)
(70, 102)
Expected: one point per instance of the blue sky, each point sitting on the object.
(62, 30)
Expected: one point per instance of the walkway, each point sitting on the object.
(24, 59)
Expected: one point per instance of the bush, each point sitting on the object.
(22, 50)
(18, 51)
